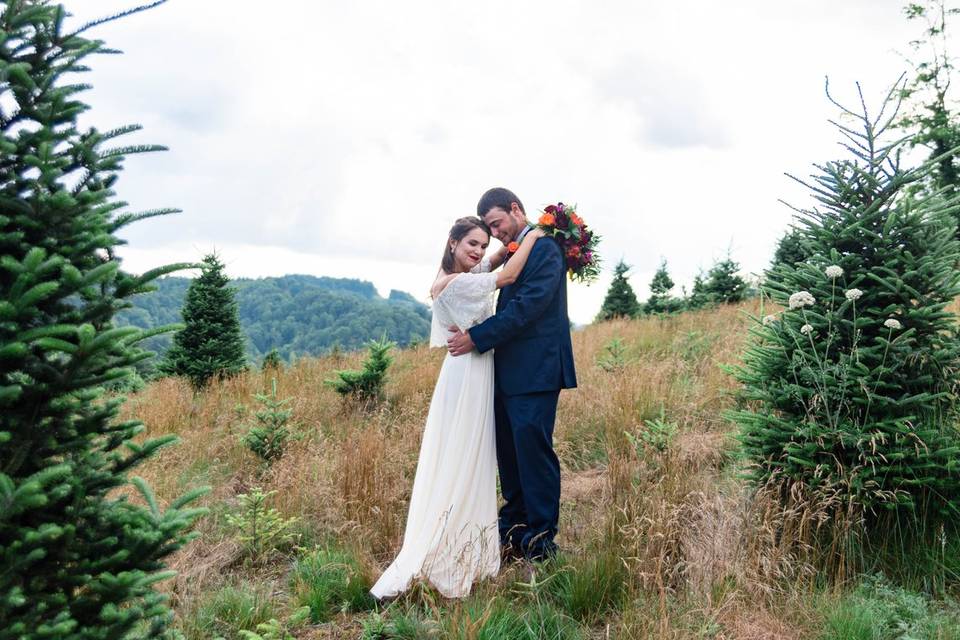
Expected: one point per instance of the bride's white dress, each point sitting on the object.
(451, 539)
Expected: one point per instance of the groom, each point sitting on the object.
(533, 361)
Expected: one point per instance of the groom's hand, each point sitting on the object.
(460, 343)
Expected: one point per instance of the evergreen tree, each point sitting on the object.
(698, 295)
(660, 300)
(366, 385)
(931, 116)
(78, 558)
(272, 361)
(851, 389)
(210, 343)
(723, 284)
(790, 250)
(621, 301)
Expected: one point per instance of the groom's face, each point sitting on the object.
(505, 225)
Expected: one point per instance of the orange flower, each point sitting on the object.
(512, 247)
(547, 220)
(575, 219)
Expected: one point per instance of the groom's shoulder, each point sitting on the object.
(546, 246)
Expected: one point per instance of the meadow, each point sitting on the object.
(661, 537)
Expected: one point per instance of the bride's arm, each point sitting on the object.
(511, 271)
(498, 257)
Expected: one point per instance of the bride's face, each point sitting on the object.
(468, 252)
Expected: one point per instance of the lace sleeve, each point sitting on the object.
(466, 301)
(483, 266)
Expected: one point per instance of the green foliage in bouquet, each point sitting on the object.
(367, 384)
(850, 389)
(269, 436)
(210, 344)
(81, 545)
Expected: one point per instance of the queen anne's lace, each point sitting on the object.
(806, 329)
(834, 271)
(801, 299)
(892, 323)
(853, 294)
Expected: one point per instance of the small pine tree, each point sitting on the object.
(268, 437)
(851, 388)
(78, 558)
(724, 285)
(272, 361)
(660, 300)
(210, 343)
(621, 301)
(366, 385)
(698, 297)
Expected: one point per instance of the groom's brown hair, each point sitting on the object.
(498, 197)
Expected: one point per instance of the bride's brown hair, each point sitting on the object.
(460, 229)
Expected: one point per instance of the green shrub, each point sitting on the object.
(850, 389)
(366, 385)
(228, 611)
(268, 437)
(259, 528)
(329, 581)
(614, 360)
(877, 610)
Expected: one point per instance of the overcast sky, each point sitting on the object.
(343, 138)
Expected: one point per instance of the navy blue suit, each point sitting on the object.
(533, 361)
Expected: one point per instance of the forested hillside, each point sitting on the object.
(296, 314)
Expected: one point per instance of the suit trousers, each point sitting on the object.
(529, 472)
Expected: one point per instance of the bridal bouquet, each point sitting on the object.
(579, 244)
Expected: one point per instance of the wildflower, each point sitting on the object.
(892, 323)
(833, 271)
(801, 299)
(806, 329)
(853, 294)
(769, 320)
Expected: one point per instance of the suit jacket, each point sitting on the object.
(531, 330)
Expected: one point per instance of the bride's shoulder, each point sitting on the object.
(443, 279)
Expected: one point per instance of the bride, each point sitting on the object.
(451, 538)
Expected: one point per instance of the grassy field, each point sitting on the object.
(660, 536)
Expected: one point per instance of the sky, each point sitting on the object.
(343, 138)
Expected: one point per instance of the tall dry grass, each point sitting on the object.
(699, 547)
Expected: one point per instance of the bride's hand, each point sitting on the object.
(537, 232)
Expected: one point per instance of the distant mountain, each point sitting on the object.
(297, 314)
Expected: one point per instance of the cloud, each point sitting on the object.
(668, 99)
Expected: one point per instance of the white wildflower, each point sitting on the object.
(892, 323)
(806, 329)
(833, 271)
(769, 320)
(853, 294)
(801, 299)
